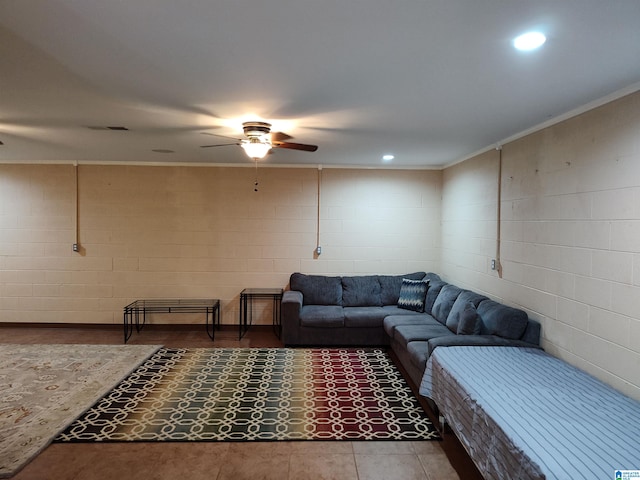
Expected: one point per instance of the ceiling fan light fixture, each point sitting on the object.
(255, 148)
(256, 129)
(529, 41)
(260, 140)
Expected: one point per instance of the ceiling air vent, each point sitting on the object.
(99, 127)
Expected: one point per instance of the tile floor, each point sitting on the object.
(346, 460)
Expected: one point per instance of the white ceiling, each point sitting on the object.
(431, 81)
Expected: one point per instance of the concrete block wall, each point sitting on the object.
(570, 236)
(168, 232)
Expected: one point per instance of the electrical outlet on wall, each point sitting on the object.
(318, 250)
(494, 264)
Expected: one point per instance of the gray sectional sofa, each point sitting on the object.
(373, 310)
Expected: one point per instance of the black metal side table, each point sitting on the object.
(246, 307)
(137, 312)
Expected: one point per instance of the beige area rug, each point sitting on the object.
(43, 388)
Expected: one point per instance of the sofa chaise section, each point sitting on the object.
(414, 339)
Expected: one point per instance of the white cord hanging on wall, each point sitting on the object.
(318, 250)
(76, 243)
(495, 263)
(255, 184)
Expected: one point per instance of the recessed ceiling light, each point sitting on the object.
(388, 158)
(529, 41)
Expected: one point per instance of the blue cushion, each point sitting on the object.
(317, 289)
(465, 297)
(361, 291)
(432, 277)
(392, 321)
(501, 320)
(413, 294)
(363, 316)
(406, 334)
(444, 302)
(396, 310)
(469, 322)
(434, 290)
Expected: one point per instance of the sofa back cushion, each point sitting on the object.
(465, 297)
(432, 277)
(469, 322)
(444, 302)
(501, 320)
(434, 290)
(361, 291)
(317, 289)
(390, 286)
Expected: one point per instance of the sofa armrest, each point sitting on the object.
(292, 298)
(474, 341)
(291, 306)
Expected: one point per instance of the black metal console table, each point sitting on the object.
(246, 307)
(137, 312)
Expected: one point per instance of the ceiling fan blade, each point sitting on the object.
(222, 136)
(296, 146)
(218, 145)
(280, 137)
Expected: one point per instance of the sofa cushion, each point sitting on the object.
(363, 316)
(317, 289)
(469, 321)
(392, 321)
(413, 294)
(390, 286)
(443, 304)
(435, 286)
(361, 291)
(501, 320)
(329, 316)
(405, 334)
(396, 310)
(465, 297)
(432, 277)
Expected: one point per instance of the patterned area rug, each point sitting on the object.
(43, 388)
(258, 394)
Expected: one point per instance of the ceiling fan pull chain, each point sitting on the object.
(255, 185)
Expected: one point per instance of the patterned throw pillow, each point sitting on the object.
(413, 294)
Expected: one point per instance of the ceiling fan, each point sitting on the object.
(260, 140)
